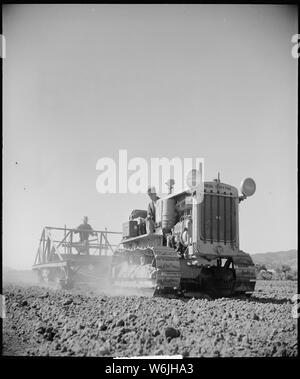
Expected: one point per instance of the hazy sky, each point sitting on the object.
(83, 81)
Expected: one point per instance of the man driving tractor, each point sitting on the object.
(151, 209)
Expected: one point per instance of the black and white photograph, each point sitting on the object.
(149, 206)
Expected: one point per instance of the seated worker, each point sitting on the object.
(84, 231)
(151, 209)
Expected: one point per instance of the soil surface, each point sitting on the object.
(41, 321)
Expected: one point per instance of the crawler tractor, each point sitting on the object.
(191, 249)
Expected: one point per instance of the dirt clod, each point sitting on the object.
(171, 333)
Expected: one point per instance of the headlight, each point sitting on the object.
(248, 187)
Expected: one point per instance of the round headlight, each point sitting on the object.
(248, 187)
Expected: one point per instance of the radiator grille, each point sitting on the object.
(218, 218)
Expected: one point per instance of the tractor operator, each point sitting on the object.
(151, 209)
(84, 231)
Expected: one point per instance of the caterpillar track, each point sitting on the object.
(151, 270)
(159, 271)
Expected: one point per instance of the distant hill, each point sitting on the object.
(278, 258)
